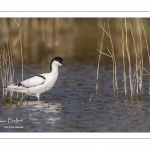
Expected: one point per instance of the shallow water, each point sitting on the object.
(69, 109)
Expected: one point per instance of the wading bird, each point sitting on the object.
(38, 84)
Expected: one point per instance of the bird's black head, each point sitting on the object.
(57, 59)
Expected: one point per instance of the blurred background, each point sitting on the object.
(73, 39)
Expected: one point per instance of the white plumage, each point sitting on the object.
(38, 84)
(34, 81)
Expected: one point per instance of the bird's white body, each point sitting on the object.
(37, 84)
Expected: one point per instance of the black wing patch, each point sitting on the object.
(18, 84)
(41, 76)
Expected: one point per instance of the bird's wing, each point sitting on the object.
(33, 81)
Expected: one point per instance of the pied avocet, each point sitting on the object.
(40, 83)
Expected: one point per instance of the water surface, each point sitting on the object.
(69, 109)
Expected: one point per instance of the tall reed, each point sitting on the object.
(6, 62)
(129, 60)
(97, 74)
(141, 54)
(123, 54)
(145, 36)
(112, 55)
(135, 80)
(115, 85)
(18, 24)
(136, 61)
(97, 91)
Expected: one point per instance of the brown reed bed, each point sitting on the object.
(135, 78)
(6, 65)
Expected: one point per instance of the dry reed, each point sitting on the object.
(6, 65)
(135, 79)
(136, 59)
(129, 60)
(123, 54)
(97, 91)
(146, 48)
(18, 24)
(141, 62)
(112, 55)
(97, 75)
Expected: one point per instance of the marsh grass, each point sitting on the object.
(129, 60)
(147, 48)
(128, 55)
(7, 67)
(97, 91)
(112, 55)
(124, 65)
(7, 71)
(20, 39)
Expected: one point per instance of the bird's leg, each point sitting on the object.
(48, 103)
(22, 99)
(9, 98)
(38, 97)
(27, 99)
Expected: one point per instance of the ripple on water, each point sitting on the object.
(66, 108)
